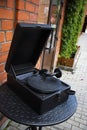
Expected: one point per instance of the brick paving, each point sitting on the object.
(78, 82)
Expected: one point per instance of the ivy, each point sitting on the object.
(74, 15)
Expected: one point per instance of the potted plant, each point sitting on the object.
(74, 15)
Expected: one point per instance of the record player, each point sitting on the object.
(40, 89)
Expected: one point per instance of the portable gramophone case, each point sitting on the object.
(38, 88)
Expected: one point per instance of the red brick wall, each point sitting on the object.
(26, 11)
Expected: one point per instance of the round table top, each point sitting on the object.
(15, 109)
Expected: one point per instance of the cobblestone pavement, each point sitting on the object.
(78, 82)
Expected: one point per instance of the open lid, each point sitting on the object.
(27, 44)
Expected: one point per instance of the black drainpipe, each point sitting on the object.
(49, 13)
(48, 22)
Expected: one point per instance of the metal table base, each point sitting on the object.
(33, 128)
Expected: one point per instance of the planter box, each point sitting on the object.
(69, 64)
(66, 62)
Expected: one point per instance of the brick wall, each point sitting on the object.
(6, 27)
(26, 11)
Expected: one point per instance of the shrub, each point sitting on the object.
(74, 15)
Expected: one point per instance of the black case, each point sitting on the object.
(26, 47)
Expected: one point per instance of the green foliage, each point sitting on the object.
(72, 26)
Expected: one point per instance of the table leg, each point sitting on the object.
(40, 128)
(33, 128)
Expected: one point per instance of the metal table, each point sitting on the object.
(15, 109)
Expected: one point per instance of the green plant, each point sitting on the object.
(74, 15)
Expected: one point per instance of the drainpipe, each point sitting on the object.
(49, 13)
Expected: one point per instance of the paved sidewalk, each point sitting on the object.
(78, 82)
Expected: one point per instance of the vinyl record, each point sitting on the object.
(43, 84)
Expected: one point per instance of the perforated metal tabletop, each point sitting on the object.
(15, 109)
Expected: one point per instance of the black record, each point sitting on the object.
(43, 84)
